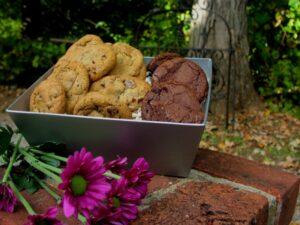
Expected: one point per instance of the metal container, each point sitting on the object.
(169, 147)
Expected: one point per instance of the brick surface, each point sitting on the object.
(160, 182)
(40, 202)
(283, 185)
(207, 203)
(203, 198)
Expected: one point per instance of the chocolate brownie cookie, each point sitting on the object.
(182, 71)
(48, 96)
(128, 90)
(171, 102)
(159, 59)
(101, 105)
(74, 78)
(130, 61)
(97, 57)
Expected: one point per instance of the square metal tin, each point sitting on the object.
(169, 147)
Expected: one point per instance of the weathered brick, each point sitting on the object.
(160, 182)
(207, 203)
(283, 185)
(40, 202)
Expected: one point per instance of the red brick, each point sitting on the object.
(207, 203)
(40, 202)
(160, 182)
(272, 180)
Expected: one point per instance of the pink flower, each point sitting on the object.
(8, 200)
(121, 206)
(139, 176)
(48, 218)
(117, 166)
(83, 183)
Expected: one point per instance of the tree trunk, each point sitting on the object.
(218, 26)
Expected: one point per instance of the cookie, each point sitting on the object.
(157, 60)
(127, 90)
(74, 78)
(182, 71)
(97, 57)
(130, 61)
(143, 73)
(173, 103)
(100, 105)
(48, 96)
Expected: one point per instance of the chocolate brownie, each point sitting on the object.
(171, 102)
(182, 71)
(157, 60)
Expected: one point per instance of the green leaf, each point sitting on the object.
(25, 182)
(6, 134)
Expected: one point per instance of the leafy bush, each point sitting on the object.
(274, 36)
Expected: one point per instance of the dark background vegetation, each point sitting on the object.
(33, 34)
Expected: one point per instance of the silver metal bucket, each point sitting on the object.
(169, 147)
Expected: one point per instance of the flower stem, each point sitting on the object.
(81, 218)
(21, 198)
(46, 187)
(12, 160)
(37, 162)
(50, 155)
(112, 175)
(37, 166)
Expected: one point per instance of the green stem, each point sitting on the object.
(50, 155)
(37, 162)
(12, 160)
(21, 198)
(43, 170)
(81, 218)
(46, 187)
(112, 175)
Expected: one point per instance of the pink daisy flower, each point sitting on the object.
(8, 200)
(120, 207)
(139, 176)
(83, 183)
(48, 218)
(117, 166)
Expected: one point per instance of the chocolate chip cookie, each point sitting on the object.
(101, 105)
(130, 61)
(48, 96)
(74, 78)
(182, 71)
(159, 59)
(97, 57)
(171, 102)
(127, 90)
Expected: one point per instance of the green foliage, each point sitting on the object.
(274, 28)
(23, 56)
(26, 50)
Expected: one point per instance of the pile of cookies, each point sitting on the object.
(179, 88)
(94, 78)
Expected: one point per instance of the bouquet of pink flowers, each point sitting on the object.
(94, 192)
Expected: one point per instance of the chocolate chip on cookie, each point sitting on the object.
(97, 57)
(100, 105)
(130, 61)
(74, 78)
(171, 102)
(48, 96)
(127, 90)
(157, 60)
(182, 71)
